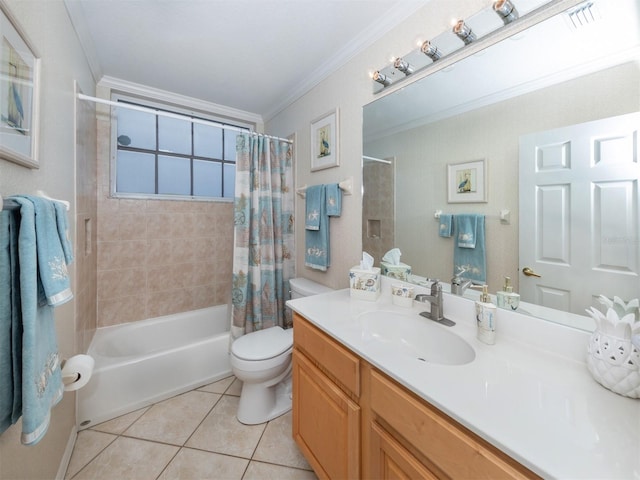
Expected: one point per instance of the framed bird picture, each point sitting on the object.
(467, 182)
(324, 141)
(19, 69)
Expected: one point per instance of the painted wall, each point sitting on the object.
(47, 25)
(349, 89)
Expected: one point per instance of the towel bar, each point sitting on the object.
(504, 215)
(346, 186)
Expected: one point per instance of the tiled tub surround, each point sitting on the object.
(193, 436)
(158, 257)
(530, 394)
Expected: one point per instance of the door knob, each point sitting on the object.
(530, 273)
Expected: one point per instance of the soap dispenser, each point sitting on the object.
(507, 298)
(486, 318)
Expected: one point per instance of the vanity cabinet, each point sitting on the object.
(352, 421)
(326, 414)
(408, 433)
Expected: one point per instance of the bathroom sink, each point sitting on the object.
(413, 335)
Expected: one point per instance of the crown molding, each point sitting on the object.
(395, 16)
(125, 86)
(79, 24)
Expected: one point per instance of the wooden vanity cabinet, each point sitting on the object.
(326, 414)
(352, 421)
(423, 434)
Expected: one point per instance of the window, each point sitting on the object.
(169, 156)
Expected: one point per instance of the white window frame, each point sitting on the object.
(155, 104)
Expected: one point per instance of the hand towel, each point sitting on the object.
(446, 225)
(466, 226)
(10, 323)
(314, 204)
(42, 386)
(334, 200)
(52, 263)
(472, 260)
(62, 223)
(317, 251)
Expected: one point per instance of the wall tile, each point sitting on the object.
(157, 257)
(121, 310)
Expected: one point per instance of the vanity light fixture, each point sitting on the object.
(403, 66)
(381, 78)
(464, 32)
(506, 10)
(430, 50)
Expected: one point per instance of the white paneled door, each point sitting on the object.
(580, 214)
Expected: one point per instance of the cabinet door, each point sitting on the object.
(390, 460)
(326, 422)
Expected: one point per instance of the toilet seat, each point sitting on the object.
(263, 344)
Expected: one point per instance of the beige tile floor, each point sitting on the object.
(191, 436)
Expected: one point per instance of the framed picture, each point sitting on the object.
(19, 70)
(467, 182)
(324, 141)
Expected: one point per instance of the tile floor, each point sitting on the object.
(191, 436)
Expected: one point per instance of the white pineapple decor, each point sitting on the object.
(614, 347)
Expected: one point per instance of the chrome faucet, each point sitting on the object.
(459, 284)
(436, 312)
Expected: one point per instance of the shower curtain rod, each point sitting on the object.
(161, 113)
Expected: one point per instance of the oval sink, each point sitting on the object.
(415, 336)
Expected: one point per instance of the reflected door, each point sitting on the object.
(580, 214)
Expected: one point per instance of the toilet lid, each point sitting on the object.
(263, 344)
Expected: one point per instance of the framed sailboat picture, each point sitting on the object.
(19, 69)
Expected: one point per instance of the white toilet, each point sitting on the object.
(262, 361)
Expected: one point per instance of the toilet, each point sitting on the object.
(262, 361)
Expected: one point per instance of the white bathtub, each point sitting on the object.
(144, 362)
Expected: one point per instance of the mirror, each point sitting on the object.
(550, 76)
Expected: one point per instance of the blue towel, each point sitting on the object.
(63, 231)
(446, 225)
(42, 386)
(317, 254)
(466, 226)
(53, 249)
(314, 203)
(472, 260)
(334, 200)
(10, 323)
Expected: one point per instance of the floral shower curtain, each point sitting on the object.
(263, 260)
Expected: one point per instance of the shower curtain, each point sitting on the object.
(263, 259)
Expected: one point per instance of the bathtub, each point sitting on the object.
(140, 363)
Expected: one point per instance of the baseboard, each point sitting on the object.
(64, 463)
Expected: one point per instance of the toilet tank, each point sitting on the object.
(303, 287)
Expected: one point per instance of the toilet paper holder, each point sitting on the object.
(71, 378)
(76, 371)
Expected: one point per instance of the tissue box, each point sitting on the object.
(364, 284)
(400, 271)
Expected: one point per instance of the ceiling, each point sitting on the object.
(257, 56)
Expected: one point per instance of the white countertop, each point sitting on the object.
(530, 394)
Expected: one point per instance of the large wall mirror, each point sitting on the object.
(558, 85)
